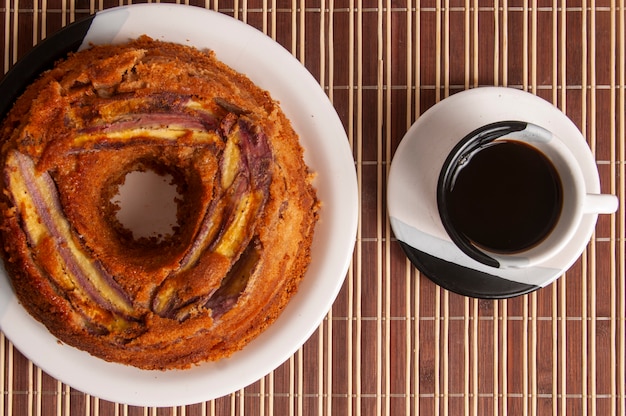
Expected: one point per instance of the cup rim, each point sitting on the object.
(472, 141)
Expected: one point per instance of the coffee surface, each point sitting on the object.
(506, 197)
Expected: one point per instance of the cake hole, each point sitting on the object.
(147, 205)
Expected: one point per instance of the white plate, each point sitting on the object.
(326, 151)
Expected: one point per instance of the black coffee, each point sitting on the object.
(506, 198)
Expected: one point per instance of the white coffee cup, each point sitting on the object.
(574, 199)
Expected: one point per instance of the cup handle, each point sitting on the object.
(600, 204)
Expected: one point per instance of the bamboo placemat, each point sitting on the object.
(394, 343)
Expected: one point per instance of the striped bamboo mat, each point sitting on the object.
(394, 343)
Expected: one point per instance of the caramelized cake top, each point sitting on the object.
(246, 211)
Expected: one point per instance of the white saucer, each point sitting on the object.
(412, 190)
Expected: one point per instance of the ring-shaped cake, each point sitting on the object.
(245, 216)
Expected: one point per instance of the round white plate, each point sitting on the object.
(327, 153)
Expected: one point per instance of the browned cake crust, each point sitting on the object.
(245, 220)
